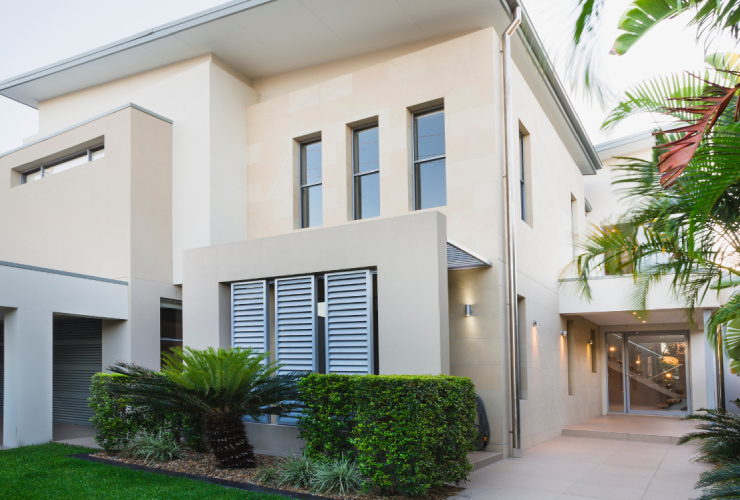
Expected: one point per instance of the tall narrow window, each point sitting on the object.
(310, 180)
(574, 223)
(430, 179)
(522, 326)
(170, 324)
(571, 357)
(522, 179)
(366, 171)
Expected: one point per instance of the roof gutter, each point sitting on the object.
(539, 57)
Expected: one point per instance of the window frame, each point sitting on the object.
(302, 219)
(356, 163)
(88, 152)
(522, 179)
(416, 163)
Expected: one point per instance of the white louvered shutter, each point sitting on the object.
(295, 324)
(250, 322)
(296, 335)
(349, 323)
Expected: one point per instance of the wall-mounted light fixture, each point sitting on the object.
(612, 349)
(564, 333)
(590, 342)
(468, 310)
(535, 323)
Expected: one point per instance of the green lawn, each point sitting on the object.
(44, 471)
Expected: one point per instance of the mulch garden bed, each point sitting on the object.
(203, 466)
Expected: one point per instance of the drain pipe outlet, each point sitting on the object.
(510, 133)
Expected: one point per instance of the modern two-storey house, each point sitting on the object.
(325, 180)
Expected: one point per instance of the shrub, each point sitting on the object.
(414, 432)
(409, 433)
(328, 419)
(296, 470)
(337, 476)
(159, 447)
(117, 420)
(110, 415)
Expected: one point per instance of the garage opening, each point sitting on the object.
(78, 355)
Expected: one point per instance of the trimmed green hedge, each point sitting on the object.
(117, 422)
(409, 433)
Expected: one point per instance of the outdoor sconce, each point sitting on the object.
(564, 333)
(590, 342)
(535, 323)
(468, 310)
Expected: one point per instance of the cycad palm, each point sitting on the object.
(220, 385)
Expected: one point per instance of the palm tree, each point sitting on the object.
(710, 17)
(688, 234)
(220, 385)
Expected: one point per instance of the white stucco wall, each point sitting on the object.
(206, 104)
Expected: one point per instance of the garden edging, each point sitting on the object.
(223, 482)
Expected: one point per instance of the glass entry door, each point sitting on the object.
(647, 373)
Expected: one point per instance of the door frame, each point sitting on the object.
(625, 375)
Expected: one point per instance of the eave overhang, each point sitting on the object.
(265, 37)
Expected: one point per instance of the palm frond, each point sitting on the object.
(642, 16)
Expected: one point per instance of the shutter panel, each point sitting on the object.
(295, 328)
(250, 323)
(78, 355)
(349, 323)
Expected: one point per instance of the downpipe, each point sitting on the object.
(510, 133)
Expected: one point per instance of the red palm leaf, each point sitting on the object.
(709, 106)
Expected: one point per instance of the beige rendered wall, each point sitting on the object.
(206, 100)
(409, 253)
(606, 202)
(465, 73)
(109, 218)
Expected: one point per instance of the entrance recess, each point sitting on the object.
(652, 368)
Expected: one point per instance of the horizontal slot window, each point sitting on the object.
(62, 164)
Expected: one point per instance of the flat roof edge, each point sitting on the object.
(640, 136)
(132, 41)
(541, 60)
(61, 273)
(89, 120)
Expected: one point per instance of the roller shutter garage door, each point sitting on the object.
(78, 355)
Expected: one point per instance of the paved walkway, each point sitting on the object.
(575, 468)
(633, 427)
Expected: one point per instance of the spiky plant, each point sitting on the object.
(220, 385)
(297, 470)
(341, 476)
(719, 435)
(158, 447)
(723, 482)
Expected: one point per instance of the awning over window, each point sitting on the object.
(459, 257)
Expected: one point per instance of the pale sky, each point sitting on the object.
(34, 33)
